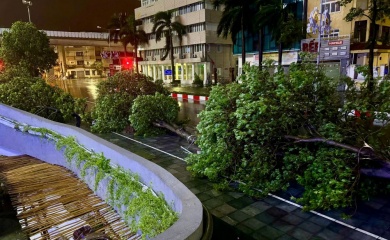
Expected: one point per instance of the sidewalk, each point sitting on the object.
(197, 91)
(240, 217)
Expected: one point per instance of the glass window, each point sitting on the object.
(331, 6)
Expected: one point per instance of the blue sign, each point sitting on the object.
(168, 72)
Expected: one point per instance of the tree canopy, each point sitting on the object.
(234, 20)
(116, 97)
(27, 47)
(123, 28)
(276, 129)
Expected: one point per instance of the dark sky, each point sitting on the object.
(65, 15)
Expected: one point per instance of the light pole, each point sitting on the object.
(109, 39)
(28, 4)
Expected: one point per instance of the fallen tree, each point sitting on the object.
(277, 128)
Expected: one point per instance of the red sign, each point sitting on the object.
(332, 43)
(311, 46)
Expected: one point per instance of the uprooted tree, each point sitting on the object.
(276, 129)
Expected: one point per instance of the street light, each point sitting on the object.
(109, 38)
(28, 4)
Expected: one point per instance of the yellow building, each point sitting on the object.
(358, 30)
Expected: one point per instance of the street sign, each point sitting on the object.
(168, 72)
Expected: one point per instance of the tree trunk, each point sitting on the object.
(373, 35)
(261, 47)
(179, 131)
(136, 58)
(243, 42)
(383, 171)
(280, 54)
(171, 56)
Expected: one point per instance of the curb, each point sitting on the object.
(195, 98)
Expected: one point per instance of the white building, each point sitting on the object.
(201, 53)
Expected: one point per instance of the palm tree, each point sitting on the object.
(235, 19)
(281, 20)
(125, 30)
(165, 27)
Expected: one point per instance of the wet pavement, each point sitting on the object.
(240, 217)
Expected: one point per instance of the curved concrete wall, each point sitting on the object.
(189, 225)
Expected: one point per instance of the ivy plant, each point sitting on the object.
(144, 210)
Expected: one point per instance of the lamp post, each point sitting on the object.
(109, 38)
(28, 4)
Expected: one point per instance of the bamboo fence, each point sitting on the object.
(52, 203)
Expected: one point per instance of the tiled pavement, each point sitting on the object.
(241, 217)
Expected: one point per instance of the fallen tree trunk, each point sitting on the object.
(383, 171)
(179, 131)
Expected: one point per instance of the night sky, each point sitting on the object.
(65, 15)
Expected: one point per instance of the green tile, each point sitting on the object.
(212, 203)
(253, 223)
(225, 197)
(225, 209)
(251, 211)
(301, 234)
(239, 216)
(270, 232)
(203, 196)
(229, 221)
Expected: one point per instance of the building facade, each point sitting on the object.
(202, 53)
(357, 32)
(270, 46)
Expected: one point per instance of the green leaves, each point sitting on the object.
(244, 128)
(115, 100)
(150, 109)
(27, 47)
(34, 95)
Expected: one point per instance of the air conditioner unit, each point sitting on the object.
(146, 59)
(182, 56)
(194, 55)
(154, 59)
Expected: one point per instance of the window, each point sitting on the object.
(333, 33)
(147, 2)
(219, 48)
(87, 73)
(331, 5)
(196, 27)
(385, 34)
(360, 31)
(363, 4)
(79, 54)
(80, 62)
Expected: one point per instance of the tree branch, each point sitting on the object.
(381, 171)
(362, 150)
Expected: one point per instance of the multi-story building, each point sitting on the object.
(355, 33)
(81, 53)
(201, 53)
(270, 46)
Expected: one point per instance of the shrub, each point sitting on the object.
(153, 108)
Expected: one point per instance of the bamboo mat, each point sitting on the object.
(52, 203)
